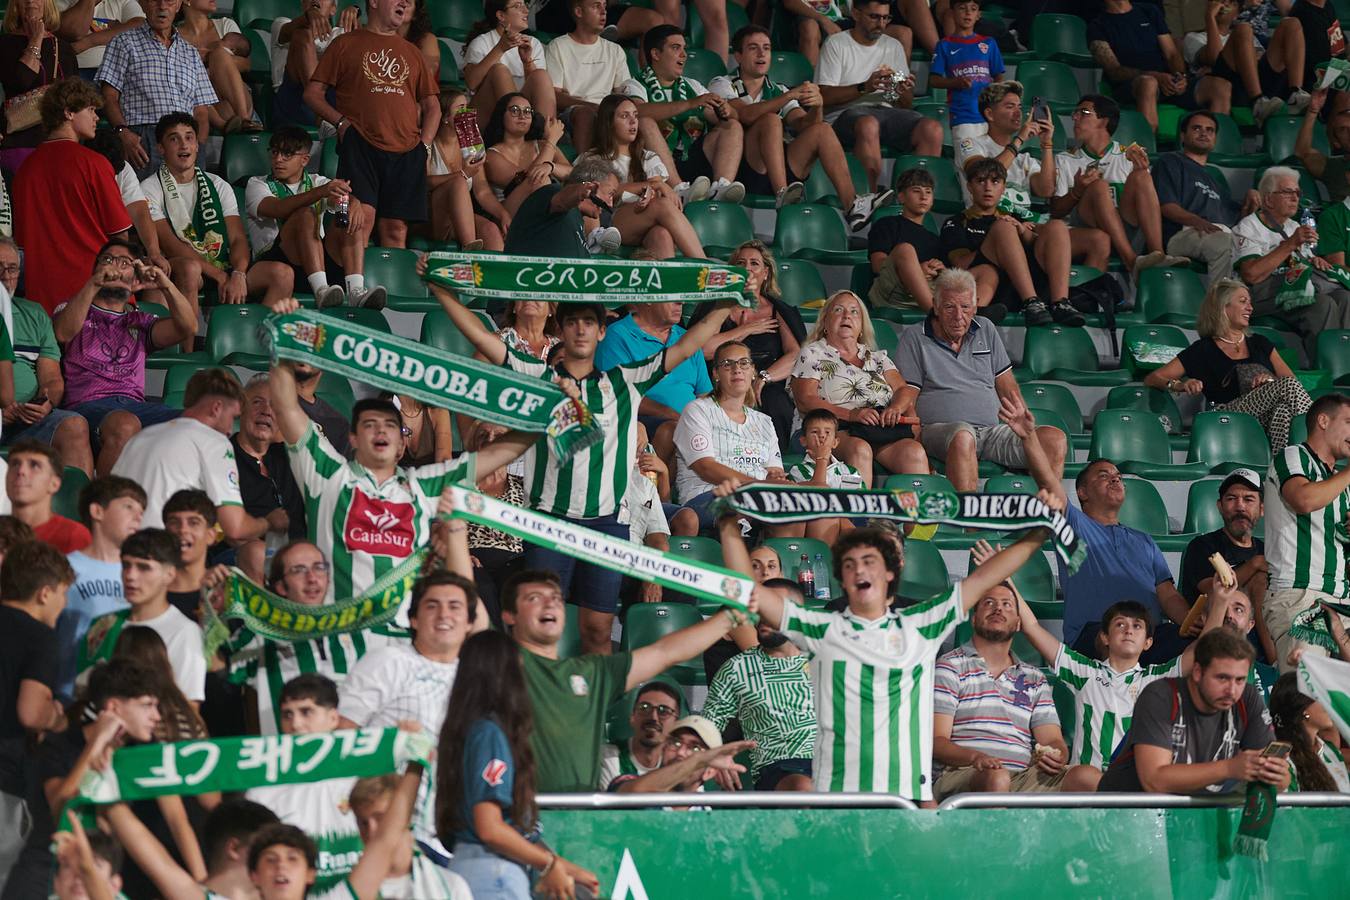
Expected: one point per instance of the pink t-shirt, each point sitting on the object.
(107, 357)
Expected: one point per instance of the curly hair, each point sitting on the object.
(69, 95)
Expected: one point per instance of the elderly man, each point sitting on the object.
(655, 708)
(1268, 243)
(994, 722)
(147, 73)
(956, 364)
(266, 482)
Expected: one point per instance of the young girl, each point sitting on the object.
(619, 141)
(1316, 764)
(224, 51)
(452, 183)
(523, 153)
(499, 57)
(491, 822)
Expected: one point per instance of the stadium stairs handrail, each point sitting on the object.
(725, 800)
(1128, 801)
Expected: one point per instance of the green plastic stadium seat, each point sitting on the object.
(449, 73)
(700, 548)
(1062, 38)
(816, 232)
(1166, 335)
(888, 337)
(1225, 441)
(259, 61)
(337, 391)
(370, 318)
(647, 623)
(1057, 353)
(66, 500)
(1137, 443)
(439, 332)
(1202, 509)
(924, 575)
(1280, 133)
(790, 68)
(1144, 508)
(790, 552)
(1052, 80)
(1146, 399)
(799, 282)
(1057, 397)
(1333, 354)
(328, 159)
(721, 227)
(175, 382)
(1228, 148)
(702, 65)
(1048, 418)
(819, 188)
(245, 155)
(260, 13)
(1313, 192)
(1134, 128)
(1034, 580)
(1010, 484)
(947, 184)
(395, 269)
(234, 335)
(454, 18)
(1170, 296)
(919, 483)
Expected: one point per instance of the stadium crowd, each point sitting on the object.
(174, 176)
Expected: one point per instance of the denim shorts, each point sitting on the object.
(490, 877)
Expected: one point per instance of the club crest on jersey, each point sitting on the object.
(579, 685)
(474, 504)
(984, 48)
(494, 772)
(379, 527)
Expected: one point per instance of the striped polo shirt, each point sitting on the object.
(995, 716)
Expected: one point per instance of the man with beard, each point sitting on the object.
(994, 722)
(768, 691)
(656, 706)
(105, 344)
(1241, 508)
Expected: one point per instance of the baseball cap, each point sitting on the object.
(706, 731)
(1245, 477)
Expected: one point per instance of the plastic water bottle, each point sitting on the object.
(1307, 220)
(820, 574)
(806, 578)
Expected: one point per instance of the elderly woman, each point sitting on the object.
(719, 439)
(31, 56)
(841, 369)
(772, 330)
(1233, 369)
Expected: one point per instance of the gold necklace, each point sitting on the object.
(1240, 339)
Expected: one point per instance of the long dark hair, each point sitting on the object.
(420, 24)
(495, 127)
(489, 20)
(490, 684)
(1287, 707)
(604, 143)
(178, 721)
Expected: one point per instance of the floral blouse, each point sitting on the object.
(513, 341)
(844, 384)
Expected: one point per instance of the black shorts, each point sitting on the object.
(394, 183)
(758, 182)
(770, 775)
(697, 162)
(556, 17)
(1124, 93)
(897, 125)
(1273, 84)
(331, 267)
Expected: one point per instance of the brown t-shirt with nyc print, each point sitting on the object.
(380, 81)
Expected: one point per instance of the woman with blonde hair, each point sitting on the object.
(840, 369)
(32, 57)
(1236, 371)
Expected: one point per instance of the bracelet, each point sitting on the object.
(764, 376)
(1172, 384)
(553, 861)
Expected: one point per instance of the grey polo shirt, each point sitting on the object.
(954, 386)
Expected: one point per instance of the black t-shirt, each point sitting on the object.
(965, 232)
(1322, 37)
(892, 231)
(28, 652)
(538, 231)
(765, 349)
(263, 493)
(1204, 360)
(1183, 181)
(1192, 736)
(1133, 36)
(334, 425)
(1195, 566)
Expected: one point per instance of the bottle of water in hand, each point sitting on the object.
(1307, 220)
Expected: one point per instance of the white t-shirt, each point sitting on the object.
(225, 26)
(129, 186)
(176, 455)
(481, 46)
(1024, 165)
(183, 639)
(652, 167)
(263, 230)
(641, 510)
(638, 91)
(705, 431)
(1253, 237)
(726, 86)
(1114, 165)
(106, 12)
(845, 61)
(395, 683)
(154, 195)
(589, 72)
(321, 810)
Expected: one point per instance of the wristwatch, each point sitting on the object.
(764, 376)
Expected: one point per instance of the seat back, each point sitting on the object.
(66, 501)
(788, 67)
(947, 196)
(924, 575)
(703, 66)
(647, 623)
(720, 226)
(800, 282)
(1235, 438)
(245, 155)
(1333, 352)
(235, 329)
(1125, 434)
(919, 483)
(454, 18)
(1060, 37)
(1050, 347)
(1010, 484)
(1035, 580)
(1144, 508)
(1054, 396)
(1162, 335)
(702, 549)
(1134, 128)
(370, 318)
(1052, 80)
(808, 226)
(395, 269)
(1281, 132)
(439, 332)
(1202, 509)
(1170, 296)
(1145, 399)
(819, 188)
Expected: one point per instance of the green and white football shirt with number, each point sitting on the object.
(1103, 702)
(592, 482)
(873, 683)
(1305, 551)
(365, 529)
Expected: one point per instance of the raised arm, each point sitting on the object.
(182, 321)
(1014, 413)
(1217, 607)
(1046, 644)
(485, 340)
(653, 659)
(669, 778)
(703, 331)
(1001, 566)
(1313, 160)
(171, 879)
(736, 557)
(373, 866)
(1304, 496)
(291, 419)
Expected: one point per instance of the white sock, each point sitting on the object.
(355, 283)
(317, 282)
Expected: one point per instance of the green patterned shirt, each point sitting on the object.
(772, 698)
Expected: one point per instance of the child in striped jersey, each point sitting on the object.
(821, 468)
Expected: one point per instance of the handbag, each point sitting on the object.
(25, 110)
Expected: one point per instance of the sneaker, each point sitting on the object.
(727, 191)
(1035, 312)
(332, 295)
(1265, 107)
(610, 33)
(370, 298)
(472, 246)
(1148, 261)
(1179, 262)
(689, 191)
(1298, 101)
(604, 240)
(994, 312)
(790, 195)
(865, 206)
(1065, 314)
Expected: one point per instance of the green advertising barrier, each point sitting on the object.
(868, 854)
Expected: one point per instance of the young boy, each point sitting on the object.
(88, 866)
(411, 875)
(992, 245)
(285, 218)
(32, 480)
(820, 468)
(111, 508)
(149, 566)
(964, 63)
(309, 705)
(905, 255)
(190, 517)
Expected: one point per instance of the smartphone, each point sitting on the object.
(1277, 750)
(1040, 110)
(39, 399)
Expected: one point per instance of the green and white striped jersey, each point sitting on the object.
(772, 698)
(839, 475)
(268, 664)
(592, 482)
(365, 529)
(874, 693)
(1305, 551)
(1103, 702)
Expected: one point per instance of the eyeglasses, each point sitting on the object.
(121, 262)
(877, 17)
(1288, 192)
(9, 269)
(743, 363)
(520, 112)
(318, 568)
(662, 711)
(283, 154)
(1083, 114)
